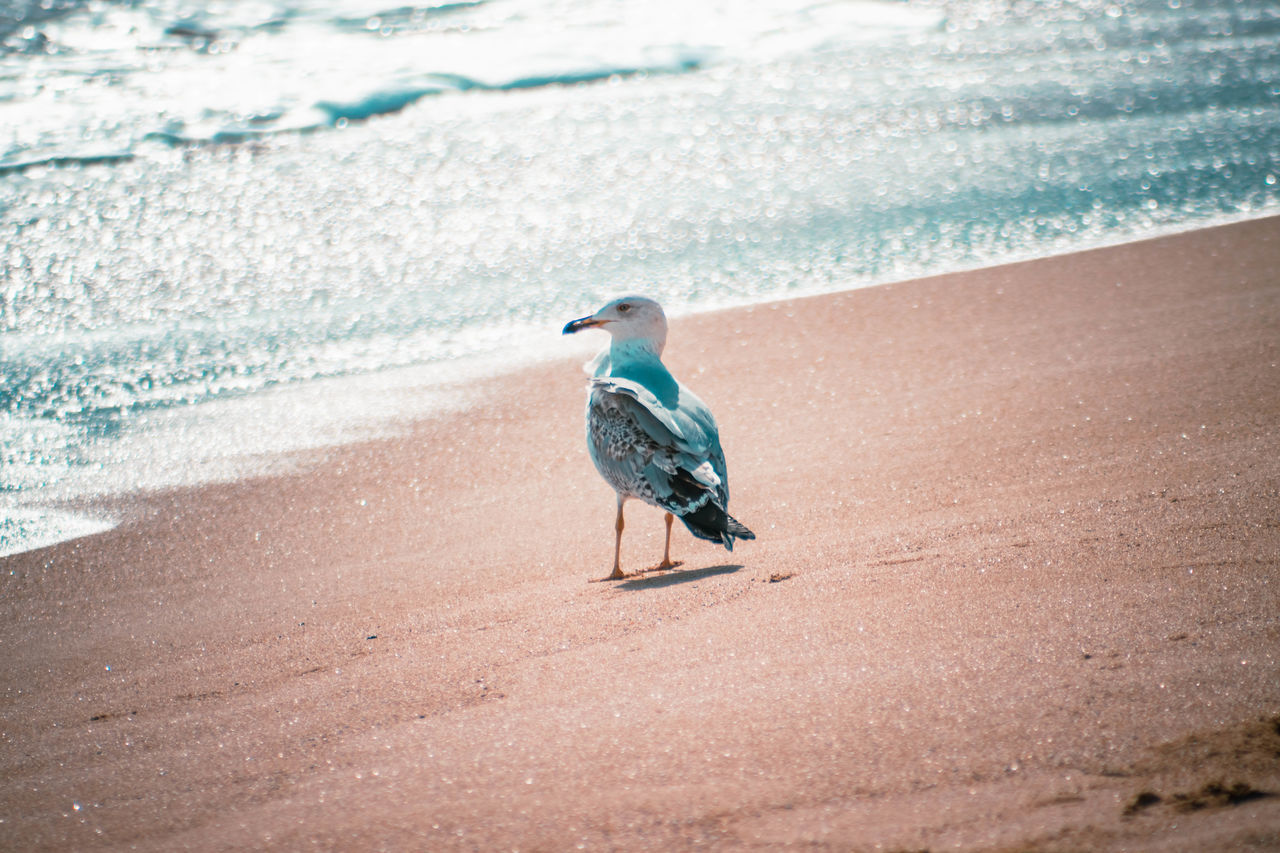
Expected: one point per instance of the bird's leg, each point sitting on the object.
(617, 543)
(666, 550)
(667, 562)
(617, 546)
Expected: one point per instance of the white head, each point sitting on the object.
(635, 319)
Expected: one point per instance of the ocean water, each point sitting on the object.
(235, 231)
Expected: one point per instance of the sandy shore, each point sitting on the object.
(1017, 586)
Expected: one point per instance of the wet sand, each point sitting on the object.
(1016, 586)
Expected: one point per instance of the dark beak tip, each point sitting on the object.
(576, 325)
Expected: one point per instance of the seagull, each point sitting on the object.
(648, 435)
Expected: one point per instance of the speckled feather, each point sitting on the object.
(635, 463)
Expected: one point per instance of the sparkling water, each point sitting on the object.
(234, 231)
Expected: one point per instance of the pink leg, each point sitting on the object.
(617, 546)
(666, 550)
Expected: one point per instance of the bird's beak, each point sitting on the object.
(580, 324)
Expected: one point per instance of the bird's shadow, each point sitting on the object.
(676, 576)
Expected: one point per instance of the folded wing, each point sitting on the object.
(665, 453)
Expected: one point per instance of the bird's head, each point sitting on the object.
(630, 318)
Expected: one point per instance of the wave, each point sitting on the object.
(17, 15)
(118, 75)
(28, 529)
(22, 164)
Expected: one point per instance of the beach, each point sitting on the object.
(1016, 586)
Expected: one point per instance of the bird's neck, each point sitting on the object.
(636, 350)
(639, 361)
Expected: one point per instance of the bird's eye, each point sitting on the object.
(624, 308)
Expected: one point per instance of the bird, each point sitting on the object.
(649, 436)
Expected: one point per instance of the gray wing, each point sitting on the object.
(668, 457)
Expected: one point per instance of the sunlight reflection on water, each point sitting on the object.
(153, 284)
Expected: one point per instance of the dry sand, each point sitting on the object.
(1017, 586)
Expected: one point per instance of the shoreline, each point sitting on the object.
(444, 381)
(1016, 567)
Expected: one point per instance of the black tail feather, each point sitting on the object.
(708, 521)
(713, 524)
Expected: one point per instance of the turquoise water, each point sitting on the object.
(226, 236)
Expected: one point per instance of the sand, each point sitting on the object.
(1016, 586)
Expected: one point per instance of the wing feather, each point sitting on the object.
(676, 449)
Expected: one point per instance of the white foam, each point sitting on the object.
(26, 529)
